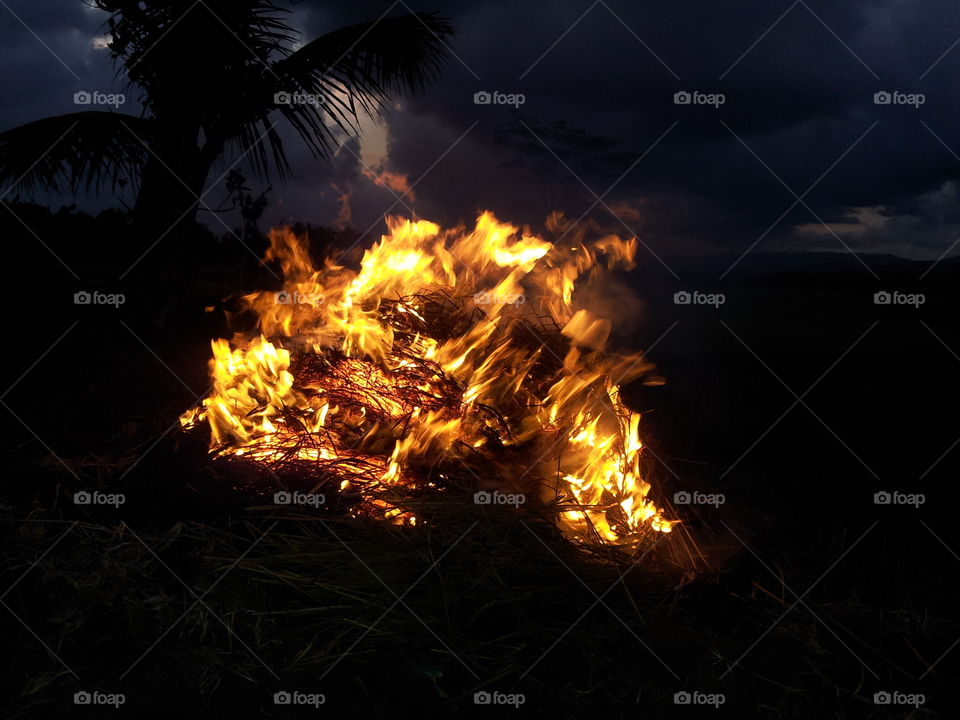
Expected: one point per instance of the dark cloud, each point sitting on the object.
(799, 83)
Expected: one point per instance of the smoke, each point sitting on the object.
(398, 182)
(601, 290)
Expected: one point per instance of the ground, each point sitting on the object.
(797, 399)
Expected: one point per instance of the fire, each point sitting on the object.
(450, 358)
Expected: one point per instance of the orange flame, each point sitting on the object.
(374, 326)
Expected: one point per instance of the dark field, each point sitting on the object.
(799, 597)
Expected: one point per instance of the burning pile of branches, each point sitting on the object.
(451, 361)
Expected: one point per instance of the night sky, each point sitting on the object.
(798, 156)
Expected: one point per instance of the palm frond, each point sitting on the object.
(356, 70)
(78, 150)
(399, 53)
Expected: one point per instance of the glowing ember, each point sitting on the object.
(451, 359)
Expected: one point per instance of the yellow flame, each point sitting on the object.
(359, 320)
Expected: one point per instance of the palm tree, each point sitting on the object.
(212, 78)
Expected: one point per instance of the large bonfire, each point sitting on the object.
(452, 361)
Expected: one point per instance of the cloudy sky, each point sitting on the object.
(782, 147)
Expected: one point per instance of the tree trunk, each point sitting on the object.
(165, 217)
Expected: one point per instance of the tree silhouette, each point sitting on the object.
(213, 79)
